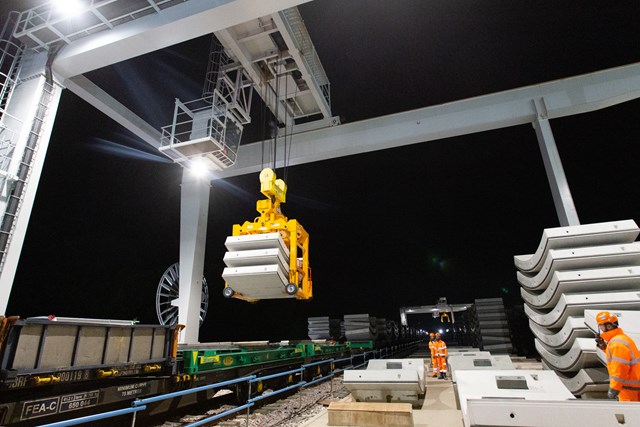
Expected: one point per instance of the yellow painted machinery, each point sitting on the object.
(269, 257)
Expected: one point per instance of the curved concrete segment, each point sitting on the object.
(258, 282)
(586, 380)
(601, 279)
(575, 304)
(580, 258)
(604, 233)
(564, 338)
(582, 354)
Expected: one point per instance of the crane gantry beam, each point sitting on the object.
(565, 97)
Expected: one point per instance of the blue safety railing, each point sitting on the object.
(141, 404)
(96, 417)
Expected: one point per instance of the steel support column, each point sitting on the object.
(29, 115)
(562, 199)
(194, 208)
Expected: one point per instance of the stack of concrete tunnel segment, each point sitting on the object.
(578, 268)
(358, 327)
(492, 326)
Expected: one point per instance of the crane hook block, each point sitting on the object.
(272, 187)
(268, 258)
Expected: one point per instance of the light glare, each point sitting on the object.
(68, 8)
(198, 168)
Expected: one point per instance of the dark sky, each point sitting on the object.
(388, 229)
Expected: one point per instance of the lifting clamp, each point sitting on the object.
(292, 233)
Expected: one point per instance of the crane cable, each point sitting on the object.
(286, 115)
(277, 102)
(262, 120)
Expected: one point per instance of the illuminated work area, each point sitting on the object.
(138, 139)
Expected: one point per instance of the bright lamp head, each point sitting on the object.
(68, 8)
(198, 167)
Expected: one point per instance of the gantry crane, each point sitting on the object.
(268, 257)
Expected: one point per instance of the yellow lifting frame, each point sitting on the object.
(272, 220)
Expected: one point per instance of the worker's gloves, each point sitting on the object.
(613, 393)
(600, 343)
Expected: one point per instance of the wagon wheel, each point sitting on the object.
(168, 291)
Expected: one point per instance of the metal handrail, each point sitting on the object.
(141, 404)
(280, 374)
(96, 417)
(138, 402)
(321, 362)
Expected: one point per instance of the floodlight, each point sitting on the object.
(198, 167)
(68, 8)
(440, 330)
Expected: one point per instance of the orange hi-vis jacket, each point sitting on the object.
(440, 348)
(623, 364)
(441, 355)
(434, 363)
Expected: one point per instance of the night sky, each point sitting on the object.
(388, 229)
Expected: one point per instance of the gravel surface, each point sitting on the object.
(291, 411)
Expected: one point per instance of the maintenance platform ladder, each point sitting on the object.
(16, 195)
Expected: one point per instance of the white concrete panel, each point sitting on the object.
(541, 413)
(541, 385)
(473, 363)
(601, 279)
(258, 282)
(256, 241)
(385, 385)
(394, 364)
(256, 257)
(581, 258)
(604, 233)
(582, 354)
(563, 339)
(473, 353)
(575, 304)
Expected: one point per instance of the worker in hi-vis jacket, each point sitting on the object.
(623, 359)
(432, 349)
(441, 356)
